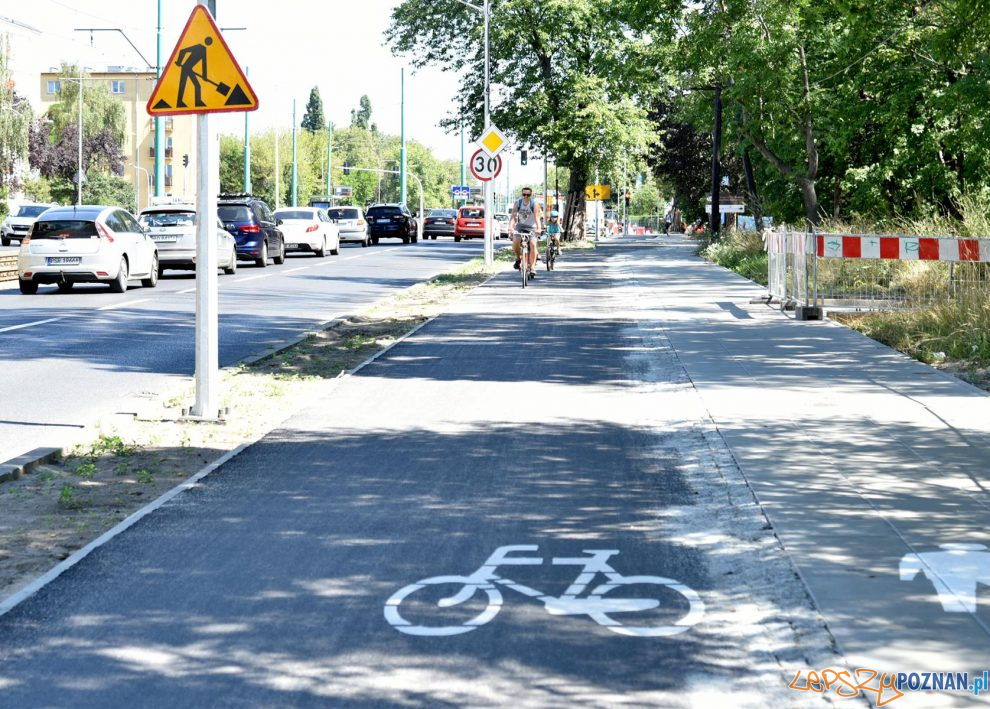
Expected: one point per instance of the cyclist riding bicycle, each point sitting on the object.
(527, 218)
(553, 229)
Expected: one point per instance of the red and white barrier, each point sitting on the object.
(903, 248)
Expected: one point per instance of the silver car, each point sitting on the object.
(351, 224)
(17, 225)
(173, 229)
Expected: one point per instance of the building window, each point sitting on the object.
(116, 86)
(54, 86)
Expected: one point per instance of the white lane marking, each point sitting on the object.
(253, 278)
(28, 324)
(293, 270)
(187, 290)
(124, 305)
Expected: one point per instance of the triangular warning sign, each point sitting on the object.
(202, 75)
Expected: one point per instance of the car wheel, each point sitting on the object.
(64, 286)
(457, 238)
(232, 268)
(280, 259)
(5, 241)
(322, 251)
(27, 287)
(374, 241)
(405, 239)
(334, 252)
(262, 260)
(161, 270)
(152, 280)
(119, 284)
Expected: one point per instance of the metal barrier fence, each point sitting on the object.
(874, 271)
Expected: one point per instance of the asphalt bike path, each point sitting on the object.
(526, 502)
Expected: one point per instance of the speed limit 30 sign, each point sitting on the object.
(485, 168)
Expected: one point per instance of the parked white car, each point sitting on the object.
(308, 229)
(86, 244)
(173, 229)
(17, 225)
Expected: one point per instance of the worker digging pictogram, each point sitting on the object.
(202, 75)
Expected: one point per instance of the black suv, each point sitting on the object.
(254, 228)
(391, 221)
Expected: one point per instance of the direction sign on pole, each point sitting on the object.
(485, 168)
(186, 87)
(460, 192)
(597, 193)
(492, 140)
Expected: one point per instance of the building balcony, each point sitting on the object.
(169, 125)
(151, 152)
(168, 180)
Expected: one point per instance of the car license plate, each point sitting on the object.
(298, 246)
(164, 238)
(64, 260)
(473, 224)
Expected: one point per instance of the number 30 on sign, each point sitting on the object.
(485, 168)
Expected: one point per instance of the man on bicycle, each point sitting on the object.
(527, 218)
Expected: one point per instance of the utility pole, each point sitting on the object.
(247, 148)
(159, 138)
(329, 158)
(278, 173)
(295, 160)
(715, 218)
(402, 146)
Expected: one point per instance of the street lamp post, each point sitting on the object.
(137, 190)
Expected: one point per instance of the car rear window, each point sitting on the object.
(234, 213)
(385, 211)
(443, 213)
(30, 210)
(343, 214)
(63, 229)
(161, 219)
(295, 214)
(472, 213)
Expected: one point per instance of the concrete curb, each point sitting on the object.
(18, 467)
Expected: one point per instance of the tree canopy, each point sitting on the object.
(313, 119)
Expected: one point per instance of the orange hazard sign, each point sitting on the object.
(202, 75)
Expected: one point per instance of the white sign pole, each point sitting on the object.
(207, 300)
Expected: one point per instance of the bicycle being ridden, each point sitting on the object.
(553, 239)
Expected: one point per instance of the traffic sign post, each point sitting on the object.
(486, 168)
(184, 88)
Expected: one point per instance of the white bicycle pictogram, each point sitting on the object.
(571, 602)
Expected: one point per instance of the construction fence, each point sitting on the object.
(874, 271)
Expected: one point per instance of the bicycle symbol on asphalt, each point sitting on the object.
(595, 604)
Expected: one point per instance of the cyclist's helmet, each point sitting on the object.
(554, 213)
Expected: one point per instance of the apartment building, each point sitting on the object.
(133, 87)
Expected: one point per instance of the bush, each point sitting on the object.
(742, 252)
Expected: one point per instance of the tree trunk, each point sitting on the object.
(754, 198)
(810, 199)
(574, 216)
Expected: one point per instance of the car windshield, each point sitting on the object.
(63, 229)
(472, 213)
(162, 219)
(384, 211)
(295, 214)
(233, 213)
(443, 213)
(343, 214)
(30, 210)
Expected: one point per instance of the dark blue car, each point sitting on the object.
(253, 227)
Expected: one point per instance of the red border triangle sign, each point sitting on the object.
(202, 75)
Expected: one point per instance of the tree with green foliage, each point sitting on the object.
(572, 94)
(15, 118)
(313, 120)
(361, 117)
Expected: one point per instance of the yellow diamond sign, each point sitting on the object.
(492, 141)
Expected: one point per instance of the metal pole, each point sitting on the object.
(402, 144)
(207, 350)
(329, 158)
(463, 165)
(159, 138)
(295, 160)
(79, 173)
(247, 149)
(716, 166)
(489, 221)
(278, 171)
(546, 190)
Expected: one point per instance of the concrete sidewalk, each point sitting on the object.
(859, 455)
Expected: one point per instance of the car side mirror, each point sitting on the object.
(278, 222)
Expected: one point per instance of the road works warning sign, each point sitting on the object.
(202, 75)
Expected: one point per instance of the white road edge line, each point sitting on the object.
(124, 305)
(29, 324)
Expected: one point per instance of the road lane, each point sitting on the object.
(69, 358)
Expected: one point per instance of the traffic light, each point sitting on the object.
(347, 168)
(523, 157)
(628, 197)
(185, 160)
